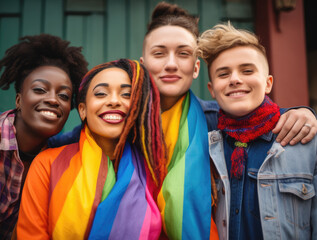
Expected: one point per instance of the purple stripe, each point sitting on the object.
(133, 204)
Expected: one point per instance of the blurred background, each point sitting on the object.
(112, 29)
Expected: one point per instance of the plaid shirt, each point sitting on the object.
(11, 171)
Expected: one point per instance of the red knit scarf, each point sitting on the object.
(245, 129)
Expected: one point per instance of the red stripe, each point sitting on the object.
(60, 164)
(102, 176)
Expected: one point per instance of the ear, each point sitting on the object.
(196, 68)
(211, 90)
(141, 60)
(82, 111)
(18, 100)
(269, 84)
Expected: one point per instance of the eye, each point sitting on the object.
(64, 96)
(100, 94)
(39, 90)
(126, 95)
(158, 54)
(223, 74)
(185, 54)
(248, 71)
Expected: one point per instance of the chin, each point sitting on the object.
(236, 113)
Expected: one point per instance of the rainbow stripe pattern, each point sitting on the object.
(185, 197)
(88, 200)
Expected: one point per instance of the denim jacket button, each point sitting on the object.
(223, 191)
(224, 223)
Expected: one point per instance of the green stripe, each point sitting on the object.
(110, 181)
(174, 181)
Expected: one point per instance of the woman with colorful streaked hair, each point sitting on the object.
(103, 185)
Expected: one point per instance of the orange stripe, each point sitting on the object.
(60, 164)
(63, 186)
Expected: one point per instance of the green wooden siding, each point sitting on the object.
(106, 29)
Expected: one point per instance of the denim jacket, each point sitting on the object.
(287, 185)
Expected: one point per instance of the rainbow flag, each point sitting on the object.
(88, 200)
(185, 197)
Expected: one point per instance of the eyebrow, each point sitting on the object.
(247, 65)
(163, 46)
(101, 85)
(125, 85)
(107, 85)
(241, 65)
(44, 81)
(221, 69)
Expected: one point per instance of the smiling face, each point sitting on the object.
(107, 103)
(168, 54)
(44, 102)
(239, 80)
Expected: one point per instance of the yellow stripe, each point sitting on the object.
(161, 204)
(79, 201)
(170, 125)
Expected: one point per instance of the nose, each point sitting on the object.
(235, 79)
(51, 99)
(171, 64)
(113, 100)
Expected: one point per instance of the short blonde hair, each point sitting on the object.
(222, 37)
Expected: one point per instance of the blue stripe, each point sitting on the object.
(107, 210)
(197, 192)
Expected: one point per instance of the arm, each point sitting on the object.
(290, 128)
(33, 214)
(296, 125)
(65, 138)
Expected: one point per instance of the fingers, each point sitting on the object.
(297, 125)
(279, 126)
(292, 131)
(311, 134)
(303, 133)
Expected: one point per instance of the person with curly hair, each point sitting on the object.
(46, 73)
(102, 187)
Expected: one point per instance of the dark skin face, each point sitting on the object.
(44, 104)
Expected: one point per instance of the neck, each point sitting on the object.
(168, 102)
(28, 141)
(107, 145)
(258, 122)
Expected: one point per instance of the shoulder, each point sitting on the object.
(211, 110)
(48, 155)
(302, 155)
(208, 105)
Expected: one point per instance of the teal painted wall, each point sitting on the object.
(107, 29)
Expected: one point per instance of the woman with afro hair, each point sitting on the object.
(46, 73)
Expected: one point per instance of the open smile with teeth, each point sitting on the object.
(233, 94)
(49, 113)
(112, 117)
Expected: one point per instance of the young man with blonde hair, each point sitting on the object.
(266, 191)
